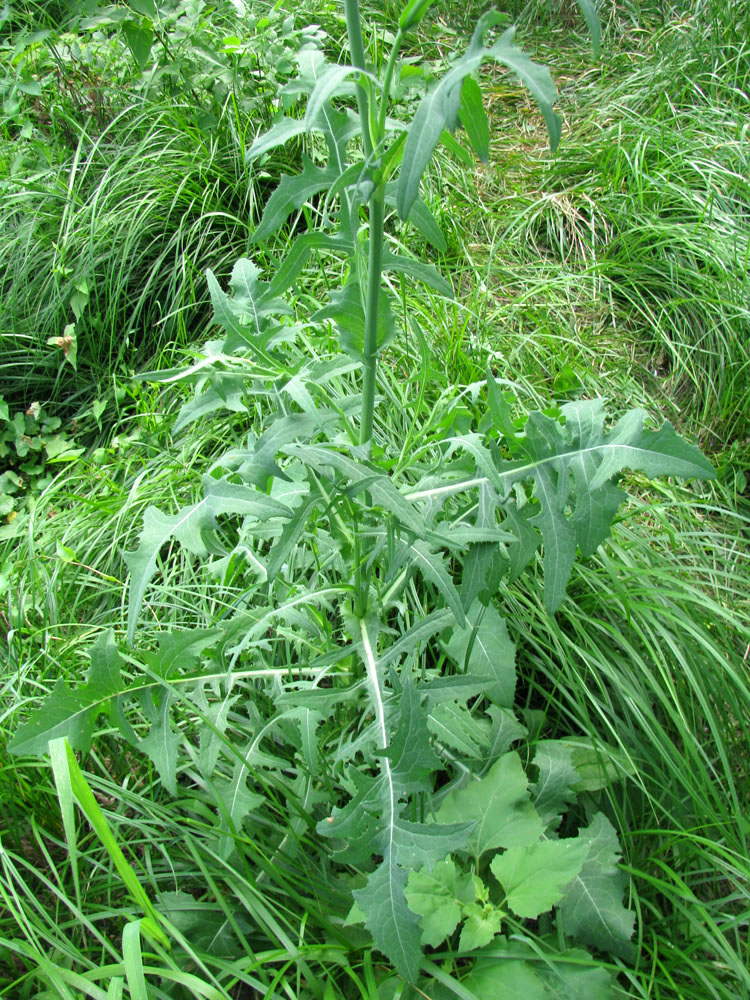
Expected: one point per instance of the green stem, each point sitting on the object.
(357, 49)
(387, 83)
(374, 268)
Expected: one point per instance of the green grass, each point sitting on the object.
(617, 268)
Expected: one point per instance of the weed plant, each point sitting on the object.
(253, 685)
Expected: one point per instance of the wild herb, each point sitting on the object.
(364, 675)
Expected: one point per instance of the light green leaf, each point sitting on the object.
(483, 922)
(380, 487)
(418, 270)
(534, 876)
(347, 311)
(423, 629)
(221, 391)
(440, 108)
(499, 804)
(298, 253)
(554, 789)
(505, 978)
(433, 568)
(437, 896)
(279, 134)
(419, 216)
(484, 650)
(591, 910)
(179, 650)
(332, 82)
(571, 465)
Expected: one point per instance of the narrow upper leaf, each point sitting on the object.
(440, 108)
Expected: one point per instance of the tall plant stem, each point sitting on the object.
(357, 50)
(372, 304)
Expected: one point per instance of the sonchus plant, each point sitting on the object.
(363, 675)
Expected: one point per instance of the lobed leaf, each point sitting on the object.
(499, 804)
(591, 909)
(293, 192)
(534, 876)
(485, 652)
(192, 527)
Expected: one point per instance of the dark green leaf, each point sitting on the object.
(474, 118)
(588, 9)
(484, 650)
(591, 909)
(140, 38)
(72, 714)
(293, 192)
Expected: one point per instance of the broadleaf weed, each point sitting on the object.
(362, 678)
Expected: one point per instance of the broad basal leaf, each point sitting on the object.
(394, 928)
(591, 909)
(534, 876)
(500, 806)
(572, 464)
(505, 978)
(578, 977)
(555, 788)
(484, 651)
(455, 726)
(373, 822)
